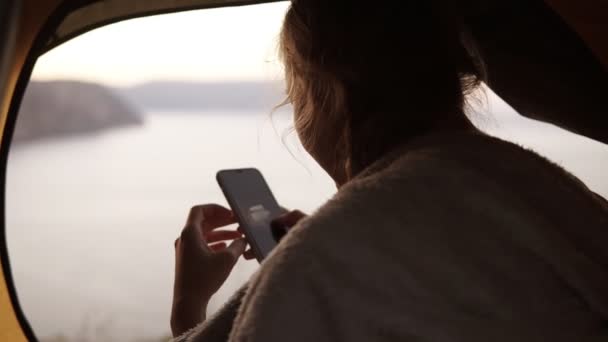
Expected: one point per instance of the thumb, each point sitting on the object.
(290, 219)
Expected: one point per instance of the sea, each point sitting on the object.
(91, 219)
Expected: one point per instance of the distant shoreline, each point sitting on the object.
(65, 108)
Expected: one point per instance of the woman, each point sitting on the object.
(437, 233)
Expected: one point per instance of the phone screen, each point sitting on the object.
(254, 206)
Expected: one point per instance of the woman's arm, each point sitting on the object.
(288, 301)
(203, 262)
(319, 285)
(216, 328)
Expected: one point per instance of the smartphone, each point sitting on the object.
(254, 206)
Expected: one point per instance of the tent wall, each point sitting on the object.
(10, 328)
(34, 15)
(589, 18)
(19, 25)
(98, 13)
(43, 24)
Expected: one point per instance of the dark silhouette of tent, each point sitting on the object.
(548, 59)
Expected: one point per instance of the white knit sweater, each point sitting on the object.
(453, 238)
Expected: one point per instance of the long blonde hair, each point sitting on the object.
(365, 77)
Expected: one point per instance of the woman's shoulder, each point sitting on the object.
(475, 159)
(405, 188)
(471, 181)
(414, 195)
(438, 154)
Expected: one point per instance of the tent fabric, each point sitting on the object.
(76, 17)
(95, 13)
(10, 328)
(91, 14)
(588, 19)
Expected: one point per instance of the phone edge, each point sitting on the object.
(250, 239)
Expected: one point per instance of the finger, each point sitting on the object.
(191, 236)
(248, 255)
(218, 247)
(290, 219)
(237, 248)
(193, 226)
(278, 231)
(222, 235)
(210, 216)
(295, 216)
(216, 216)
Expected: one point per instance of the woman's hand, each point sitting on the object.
(203, 262)
(282, 224)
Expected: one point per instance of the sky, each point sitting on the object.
(237, 43)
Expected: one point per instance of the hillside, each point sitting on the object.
(205, 96)
(60, 108)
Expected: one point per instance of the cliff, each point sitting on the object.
(61, 108)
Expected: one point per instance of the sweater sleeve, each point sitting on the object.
(330, 279)
(297, 297)
(216, 328)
